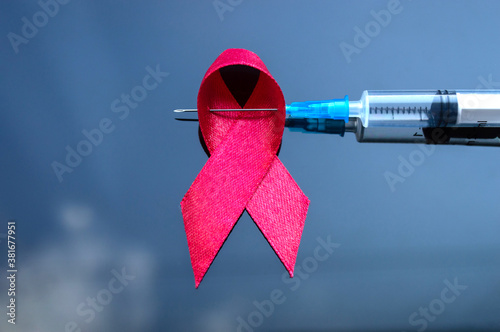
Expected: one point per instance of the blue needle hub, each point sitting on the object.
(337, 109)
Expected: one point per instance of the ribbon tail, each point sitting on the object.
(219, 194)
(279, 208)
(204, 240)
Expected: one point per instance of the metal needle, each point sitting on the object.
(226, 109)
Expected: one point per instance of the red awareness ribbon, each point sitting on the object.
(243, 171)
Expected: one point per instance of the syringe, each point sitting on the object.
(465, 117)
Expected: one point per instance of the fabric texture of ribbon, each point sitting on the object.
(243, 170)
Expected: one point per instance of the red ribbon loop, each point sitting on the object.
(243, 171)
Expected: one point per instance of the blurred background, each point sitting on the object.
(100, 237)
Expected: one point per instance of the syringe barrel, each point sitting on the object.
(469, 117)
(427, 108)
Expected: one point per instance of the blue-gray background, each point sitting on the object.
(120, 207)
